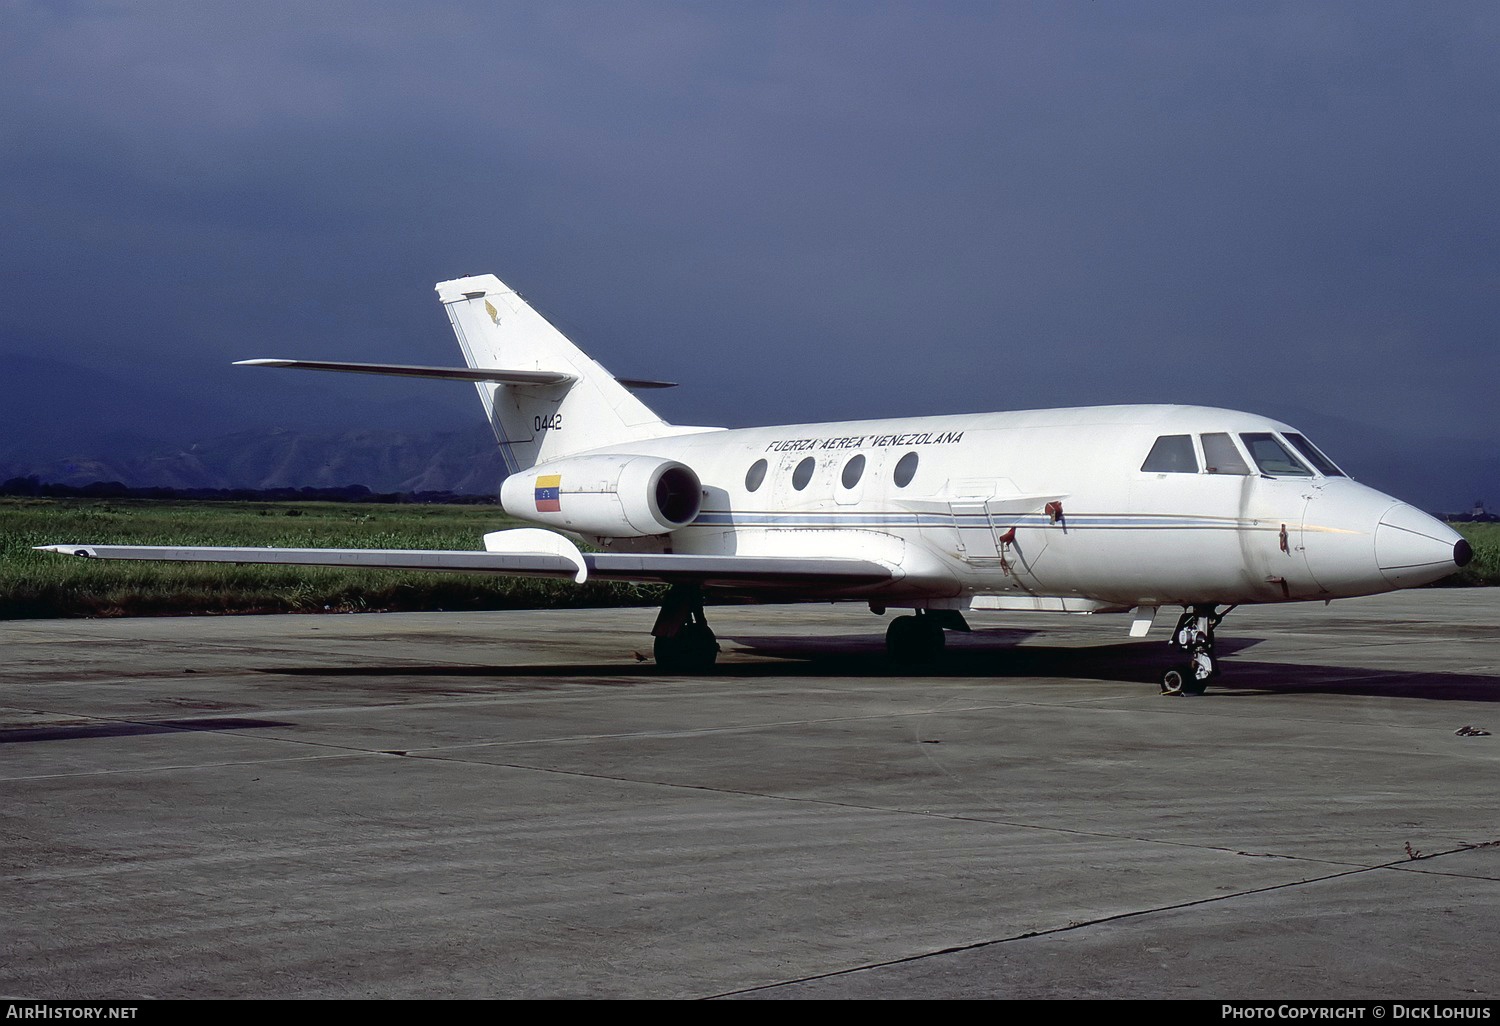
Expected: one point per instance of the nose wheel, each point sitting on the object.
(1194, 638)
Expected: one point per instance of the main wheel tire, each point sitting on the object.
(1200, 670)
(693, 649)
(1175, 680)
(911, 640)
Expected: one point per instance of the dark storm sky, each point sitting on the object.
(801, 211)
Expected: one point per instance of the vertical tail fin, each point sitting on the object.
(497, 330)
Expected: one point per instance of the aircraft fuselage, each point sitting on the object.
(1050, 509)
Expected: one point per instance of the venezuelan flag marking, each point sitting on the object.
(548, 494)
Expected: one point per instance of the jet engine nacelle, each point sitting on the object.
(606, 496)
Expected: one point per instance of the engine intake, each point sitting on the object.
(606, 496)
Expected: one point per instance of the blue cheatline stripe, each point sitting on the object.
(1093, 521)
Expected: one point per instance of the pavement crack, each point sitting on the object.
(1032, 934)
(1402, 866)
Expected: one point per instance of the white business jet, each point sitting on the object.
(1091, 510)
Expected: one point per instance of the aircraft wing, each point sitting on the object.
(741, 573)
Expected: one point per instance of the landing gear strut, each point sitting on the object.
(684, 642)
(1194, 637)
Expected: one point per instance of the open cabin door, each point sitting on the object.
(974, 528)
(996, 529)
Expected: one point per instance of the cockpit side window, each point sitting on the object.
(1220, 455)
(1271, 456)
(1314, 455)
(1172, 454)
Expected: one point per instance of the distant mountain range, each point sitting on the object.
(74, 422)
(71, 422)
(465, 462)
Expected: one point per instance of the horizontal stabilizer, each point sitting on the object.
(645, 383)
(509, 377)
(519, 557)
(506, 377)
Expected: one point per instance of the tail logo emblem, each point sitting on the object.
(489, 308)
(548, 494)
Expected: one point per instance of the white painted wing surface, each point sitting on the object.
(775, 574)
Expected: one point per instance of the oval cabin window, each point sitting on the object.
(755, 475)
(906, 469)
(853, 471)
(802, 474)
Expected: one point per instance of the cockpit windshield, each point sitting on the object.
(1314, 455)
(1272, 457)
(1172, 454)
(1286, 454)
(1221, 457)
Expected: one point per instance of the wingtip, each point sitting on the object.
(66, 550)
(645, 383)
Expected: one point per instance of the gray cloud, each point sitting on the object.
(800, 210)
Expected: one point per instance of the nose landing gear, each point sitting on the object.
(1194, 637)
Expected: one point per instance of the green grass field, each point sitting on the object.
(40, 584)
(43, 584)
(1485, 569)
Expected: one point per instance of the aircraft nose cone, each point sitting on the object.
(1412, 548)
(1463, 552)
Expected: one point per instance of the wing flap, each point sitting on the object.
(751, 573)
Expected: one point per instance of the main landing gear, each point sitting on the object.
(684, 642)
(1194, 637)
(911, 640)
